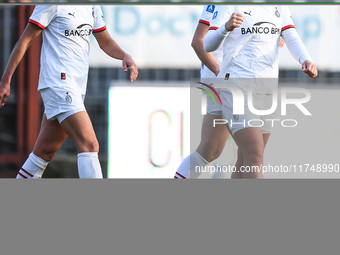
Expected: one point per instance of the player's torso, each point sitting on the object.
(66, 47)
(252, 49)
(72, 26)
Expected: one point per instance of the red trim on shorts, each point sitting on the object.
(23, 176)
(26, 172)
(286, 27)
(99, 29)
(204, 22)
(36, 23)
(175, 177)
(180, 175)
(213, 28)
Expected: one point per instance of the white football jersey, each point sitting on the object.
(64, 59)
(208, 14)
(251, 51)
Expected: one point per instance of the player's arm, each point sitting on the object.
(215, 38)
(299, 51)
(197, 44)
(111, 48)
(30, 33)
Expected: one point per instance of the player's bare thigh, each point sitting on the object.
(51, 137)
(238, 174)
(250, 142)
(80, 130)
(213, 139)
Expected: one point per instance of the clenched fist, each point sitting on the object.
(235, 21)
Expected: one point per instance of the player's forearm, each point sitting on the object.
(295, 45)
(17, 54)
(207, 59)
(112, 49)
(214, 39)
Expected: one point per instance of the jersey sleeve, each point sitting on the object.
(221, 16)
(43, 14)
(287, 21)
(207, 14)
(99, 23)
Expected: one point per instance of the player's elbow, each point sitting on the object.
(195, 44)
(207, 46)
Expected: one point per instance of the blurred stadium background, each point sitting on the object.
(143, 127)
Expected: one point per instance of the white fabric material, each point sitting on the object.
(66, 43)
(213, 41)
(250, 51)
(32, 168)
(61, 103)
(295, 45)
(207, 13)
(89, 166)
(188, 167)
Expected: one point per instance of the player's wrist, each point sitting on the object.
(6, 79)
(126, 56)
(223, 31)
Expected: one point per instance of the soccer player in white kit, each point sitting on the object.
(64, 65)
(213, 139)
(250, 36)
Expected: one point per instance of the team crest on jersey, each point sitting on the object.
(236, 117)
(68, 98)
(210, 8)
(277, 13)
(215, 15)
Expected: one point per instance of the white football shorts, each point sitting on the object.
(236, 122)
(212, 107)
(61, 102)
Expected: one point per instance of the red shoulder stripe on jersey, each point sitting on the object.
(213, 28)
(99, 29)
(286, 27)
(36, 23)
(204, 22)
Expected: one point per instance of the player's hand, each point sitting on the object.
(282, 42)
(235, 21)
(129, 64)
(309, 68)
(4, 92)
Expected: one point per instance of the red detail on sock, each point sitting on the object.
(180, 175)
(23, 176)
(26, 172)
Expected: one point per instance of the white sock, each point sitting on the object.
(32, 168)
(89, 166)
(188, 167)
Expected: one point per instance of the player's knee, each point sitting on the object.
(47, 153)
(89, 146)
(254, 154)
(213, 154)
(209, 151)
